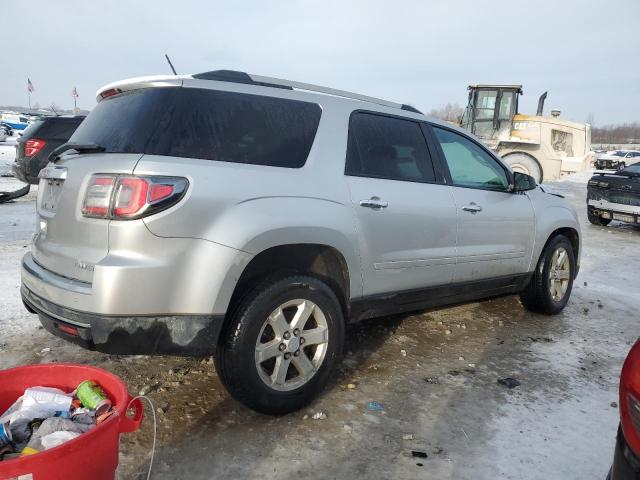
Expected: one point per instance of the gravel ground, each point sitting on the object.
(435, 373)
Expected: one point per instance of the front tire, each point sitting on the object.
(281, 344)
(550, 287)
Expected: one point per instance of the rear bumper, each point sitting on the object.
(189, 335)
(626, 464)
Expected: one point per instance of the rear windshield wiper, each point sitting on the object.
(78, 147)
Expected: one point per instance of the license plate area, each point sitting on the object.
(624, 218)
(52, 180)
(51, 194)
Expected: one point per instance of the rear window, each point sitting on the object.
(59, 128)
(204, 124)
(32, 129)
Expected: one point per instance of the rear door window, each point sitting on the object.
(387, 147)
(204, 124)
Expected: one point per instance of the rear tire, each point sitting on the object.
(596, 219)
(250, 358)
(524, 163)
(550, 287)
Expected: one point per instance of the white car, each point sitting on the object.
(617, 159)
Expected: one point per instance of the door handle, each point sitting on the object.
(472, 207)
(374, 202)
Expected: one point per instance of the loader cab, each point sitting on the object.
(490, 109)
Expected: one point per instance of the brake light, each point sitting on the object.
(33, 146)
(97, 198)
(160, 192)
(630, 398)
(131, 196)
(124, 197)
(110, 93)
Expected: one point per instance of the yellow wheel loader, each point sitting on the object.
(541, 146)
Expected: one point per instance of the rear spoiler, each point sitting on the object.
(78, 147)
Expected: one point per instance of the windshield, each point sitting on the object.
(486, 104)
(203, 124)
(619, 153)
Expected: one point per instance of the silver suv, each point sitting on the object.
(252, 217)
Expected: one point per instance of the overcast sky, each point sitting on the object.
(584, 52)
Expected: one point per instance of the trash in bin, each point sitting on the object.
(52, 432)
(93, 397)
(45, 417)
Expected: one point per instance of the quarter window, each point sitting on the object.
(469, 164)
(386, 147)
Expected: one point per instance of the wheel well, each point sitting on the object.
(322, 261)
(526, 154)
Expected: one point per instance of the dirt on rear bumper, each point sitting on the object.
(187, 335)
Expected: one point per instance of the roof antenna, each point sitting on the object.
(170, 64)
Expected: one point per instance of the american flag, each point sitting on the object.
(30, 86)
(74, 92)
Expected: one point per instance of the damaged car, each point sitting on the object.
(614, 196)
(617, 160)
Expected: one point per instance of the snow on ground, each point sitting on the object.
(441, 398)
(7, 155)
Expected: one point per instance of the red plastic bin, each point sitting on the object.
(93, 455)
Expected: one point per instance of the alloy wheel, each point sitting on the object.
(559, 274)
(292, 345)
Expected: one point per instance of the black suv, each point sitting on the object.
(38, 141)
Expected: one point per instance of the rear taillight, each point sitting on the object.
(125, 197)
(97, 198)
(110, 93)
(131, 196)
(630, 398)
(33, 146)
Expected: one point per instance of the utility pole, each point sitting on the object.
(29, 89)
(74, 94)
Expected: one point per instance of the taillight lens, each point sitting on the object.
(630, 398)
(97, 199)
(110, 93)
(130, 196)
(33, 146)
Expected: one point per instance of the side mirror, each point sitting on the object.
(523, 182)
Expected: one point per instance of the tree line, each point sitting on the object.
(616, 134)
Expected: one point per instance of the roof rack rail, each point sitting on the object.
(242, 77)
